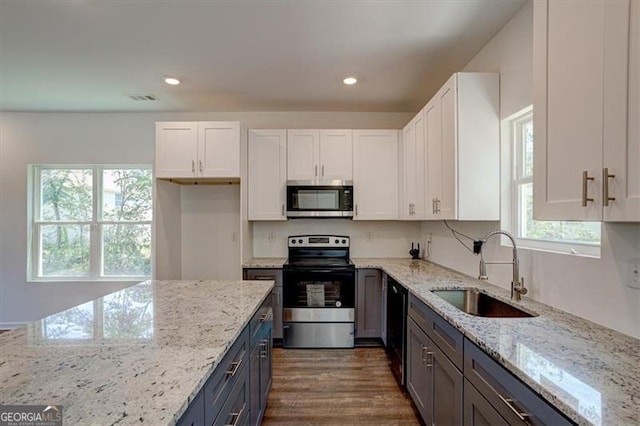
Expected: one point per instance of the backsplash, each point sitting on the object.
(368, 238)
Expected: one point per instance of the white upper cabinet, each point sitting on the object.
(267, 174)
(413, 168)
(197, 150)
(585, 90)
(621, 150)
(462, 134)
(375, 174)
(319, 154)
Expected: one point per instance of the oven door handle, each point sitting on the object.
(322, 271)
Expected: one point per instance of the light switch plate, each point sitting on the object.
(634, 273)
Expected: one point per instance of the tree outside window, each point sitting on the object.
(91, 222)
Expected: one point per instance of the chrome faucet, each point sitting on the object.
(517, 284)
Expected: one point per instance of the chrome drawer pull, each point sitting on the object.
(429, 354)
(234, 369)
(509, 402)
(235, 417)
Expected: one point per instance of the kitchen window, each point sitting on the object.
(90, 223)
(560, 236)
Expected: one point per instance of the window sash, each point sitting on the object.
(96, 249)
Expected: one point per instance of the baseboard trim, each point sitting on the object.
(11, 325)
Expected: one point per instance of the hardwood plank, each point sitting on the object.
(336, 387)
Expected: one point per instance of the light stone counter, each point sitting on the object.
(589, 372)
(265, 262)
(135, 356)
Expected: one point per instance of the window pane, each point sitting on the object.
(66, 194)
(64, 250)
(575, 232)
(527, 147)
(127, 250)
(126, 194)
(74, 323)
(129, 313)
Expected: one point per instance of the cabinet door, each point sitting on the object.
(621, 163)
(266, 371)
(478, 411)
(369, 303)
(446, 388)
(433, 175)
(176, 149)
(444, 160)
(302, 154)
(219, 149)
(568, 79)
(267, 174)
(254, 384)
(336, 154)
(417, 374)
(375, 174)
(413, 165)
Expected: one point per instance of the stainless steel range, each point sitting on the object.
(319, 289)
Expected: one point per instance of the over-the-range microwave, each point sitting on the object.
(319, 198)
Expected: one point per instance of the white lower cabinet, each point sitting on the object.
(267, 174)
(375, 174)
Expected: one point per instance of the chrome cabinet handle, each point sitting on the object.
(316, 172)
(323, 170)
(433, 205)
(235, 417)
(422, 350)
(265, 345)
(585, 179)
(264, 278)
(200, 165)
(283, 210)
(429, 354)
(509, 402)
(193, 166)
(356, 210)
(605, 186)
(234, 369)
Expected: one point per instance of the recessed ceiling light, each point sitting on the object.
(172, 81)
(350, 80)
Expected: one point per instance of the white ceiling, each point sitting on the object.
(270, 55)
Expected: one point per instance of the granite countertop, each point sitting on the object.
(589, 372)
(137, 355)
(265, 262)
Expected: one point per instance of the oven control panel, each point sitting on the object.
(319, 241)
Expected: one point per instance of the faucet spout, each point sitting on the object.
(517, 283)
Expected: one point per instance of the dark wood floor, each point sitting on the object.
(335, 387)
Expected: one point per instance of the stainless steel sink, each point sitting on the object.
(480, 304)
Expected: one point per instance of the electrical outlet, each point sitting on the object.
(234, 237)
(634, 273)
(272, 237)
(429, 235)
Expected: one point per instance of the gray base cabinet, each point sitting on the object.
(433, 381)
(276, 294)
(369, 303)
(514, 401)
(237, 390)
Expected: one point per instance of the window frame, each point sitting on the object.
(96, 240)
(513, 128)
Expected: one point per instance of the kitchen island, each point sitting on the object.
(139, 355)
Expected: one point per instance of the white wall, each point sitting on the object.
(591, 288)
(368, 239)
(117, 138)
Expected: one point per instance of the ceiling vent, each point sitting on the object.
(148, 97)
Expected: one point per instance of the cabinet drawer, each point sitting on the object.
(263, 274)
(515, 401)
(225, 376)
(236, 410)
(263, 316)
(446, 336)
(194, 416)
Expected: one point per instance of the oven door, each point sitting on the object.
(319, 290)
(318, 308)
